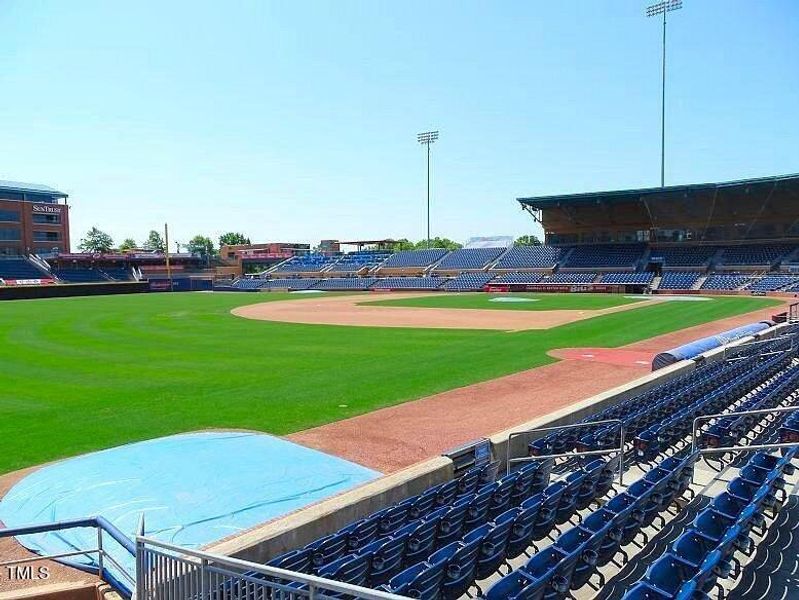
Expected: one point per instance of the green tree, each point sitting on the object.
(127, 244)
(402, 244)
(96, 241)
(438, 242)
(202, 246)
(154, 243)
(233, 239)
(527, 240)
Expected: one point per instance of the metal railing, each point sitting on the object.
(119, 577)
(724, 449)
(615, 450)
(168, 572)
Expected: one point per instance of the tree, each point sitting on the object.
(96, 241)
(154, 243)
(438, 242)
(400, 245)
(527, 240)
(233, 239)
(202, 246)
(127, 244)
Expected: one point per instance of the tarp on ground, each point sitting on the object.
(697, 347)
(193, 489)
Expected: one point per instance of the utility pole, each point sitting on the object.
(426, 139)
(661, 8)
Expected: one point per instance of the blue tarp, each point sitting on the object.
(701, 346)
(193, 489)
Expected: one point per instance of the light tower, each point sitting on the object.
(661, 8)
(426, 138)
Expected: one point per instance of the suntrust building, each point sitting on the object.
(34, 219)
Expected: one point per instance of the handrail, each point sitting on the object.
(619, 449)
(103, 526)
(313, 581)
(724, 449)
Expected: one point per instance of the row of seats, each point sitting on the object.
(19, 268)
(627, 278)
(679, 280)
(441, 543)
(469, 258)
(704, 553)
(578, 553)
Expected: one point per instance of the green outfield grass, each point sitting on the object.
(541, 301)
(79, 374)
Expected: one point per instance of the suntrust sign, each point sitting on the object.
(47, 209)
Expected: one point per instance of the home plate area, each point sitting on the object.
(610, 356)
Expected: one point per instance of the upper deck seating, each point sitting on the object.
(469, 258)
(761, 255)
(529, 257)
(353, 262)
(309, 263)
(683, 256)
(610, 257)
(414, 258)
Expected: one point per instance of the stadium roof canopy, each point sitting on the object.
(30, 188)
(676, 192)
(765, 208)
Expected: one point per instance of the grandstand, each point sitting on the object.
(468, 259)
(568, 516)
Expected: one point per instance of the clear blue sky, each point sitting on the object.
(296, 121)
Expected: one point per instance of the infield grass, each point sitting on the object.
(81, 374)
(482, 300)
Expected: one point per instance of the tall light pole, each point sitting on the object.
(661, 8)
(427, 138)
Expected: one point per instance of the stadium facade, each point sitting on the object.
(34, 219)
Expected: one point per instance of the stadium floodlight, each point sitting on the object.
(426, 138)
(661, 8)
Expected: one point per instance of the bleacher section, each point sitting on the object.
(547, 528)
(722, 281)
(354, 262)
(310, 263)
(414, 258)
(290, 284)
(772, 283)
(529, 257)
(760, 255)
(679, 280)
(118, 274)
(518, 278)
(468, 282)
(19, 268)
(609, 257)
(570, 278)
(627, 278)
(346, 283)
(410, 283)
(248, 284)
(469, 258)
(80, 275)
(683, 256)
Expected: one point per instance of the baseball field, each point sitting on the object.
(81, 374)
